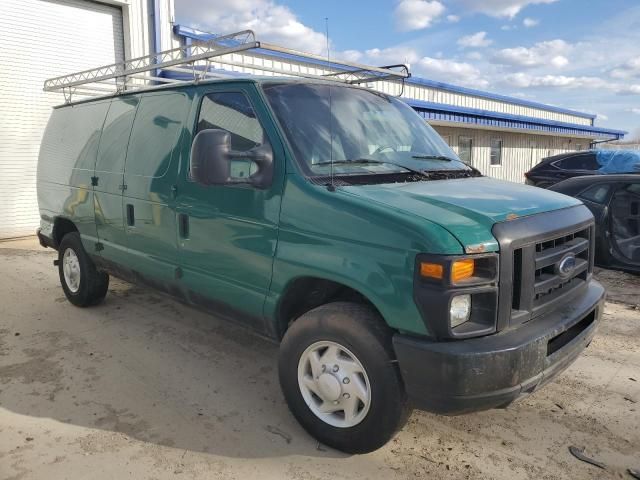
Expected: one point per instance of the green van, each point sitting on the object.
(332, 219)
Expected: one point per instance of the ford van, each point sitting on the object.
(332, 219)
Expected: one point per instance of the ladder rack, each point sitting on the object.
(205, 59)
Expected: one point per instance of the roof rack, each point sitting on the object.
(205, 59)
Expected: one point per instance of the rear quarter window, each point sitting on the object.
(70, 143)
(579, 162)
(596, 193)
(115, 134)
(155, 133)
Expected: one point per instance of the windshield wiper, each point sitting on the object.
(369, 161)
(432, 157)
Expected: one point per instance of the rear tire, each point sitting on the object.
(82, 283)
(353, 344)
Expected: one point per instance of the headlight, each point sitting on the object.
(457, 295)
(460, 310)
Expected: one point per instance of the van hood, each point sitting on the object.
(466, 207)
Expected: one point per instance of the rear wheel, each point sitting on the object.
(82, 283)
(339, 378)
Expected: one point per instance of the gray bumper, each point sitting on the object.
(487, 372)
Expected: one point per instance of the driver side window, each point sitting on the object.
(232, 112)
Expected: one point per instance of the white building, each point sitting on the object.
(502, 136)
(40, 39)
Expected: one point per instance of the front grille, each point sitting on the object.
(548, 281)
(530, 249)
(537, 277)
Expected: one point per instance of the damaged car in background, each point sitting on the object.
(614, 201)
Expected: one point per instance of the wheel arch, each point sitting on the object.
(62, 226)
(305, 293)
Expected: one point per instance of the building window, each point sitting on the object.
(579, 147)
(496, 152)
(447, 139)
(465, 149)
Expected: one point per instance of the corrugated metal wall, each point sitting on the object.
(429, 94)
(42, 39)
(520, 152)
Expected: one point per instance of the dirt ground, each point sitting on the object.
(143, 387)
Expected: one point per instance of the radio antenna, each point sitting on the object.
(331, 186)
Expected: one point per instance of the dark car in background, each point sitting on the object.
(614, 201)
(552, 170)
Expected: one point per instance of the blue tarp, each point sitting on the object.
(618, 161)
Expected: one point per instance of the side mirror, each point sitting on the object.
(211, 158)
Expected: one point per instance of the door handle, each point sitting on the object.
(131, 219)
(183, 225)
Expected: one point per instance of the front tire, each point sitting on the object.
(82, 283)
(339, 378)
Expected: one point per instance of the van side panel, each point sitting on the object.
(66, 165)
(150, 175)
(110, 174)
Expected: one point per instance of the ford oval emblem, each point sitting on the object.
(567, 265)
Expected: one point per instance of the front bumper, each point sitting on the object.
(455, 377)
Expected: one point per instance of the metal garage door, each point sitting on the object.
(40, 39)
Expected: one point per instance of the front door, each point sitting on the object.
(227, 234)
(625, 223)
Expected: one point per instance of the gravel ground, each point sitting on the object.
(143, 387)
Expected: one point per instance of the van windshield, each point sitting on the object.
(360, 131)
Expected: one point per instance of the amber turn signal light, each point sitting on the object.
(432, 270)
(462, 269)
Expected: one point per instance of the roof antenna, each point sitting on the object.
(331, 187)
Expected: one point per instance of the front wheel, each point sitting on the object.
(339, 378)
(82, 283)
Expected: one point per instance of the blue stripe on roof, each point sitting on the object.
(453, 113)
(495, 96)
(196, 35)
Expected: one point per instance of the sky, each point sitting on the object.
(578, 54)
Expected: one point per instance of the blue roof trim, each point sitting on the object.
(194, 34)
(495, 96)
(453, 113)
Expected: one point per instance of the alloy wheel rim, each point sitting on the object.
(71, 270)
(334, 384)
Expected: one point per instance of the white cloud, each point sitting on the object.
(635, 110)
(602, 116)
(391, 55)
(506, 28)
(551, 52)
(417, 14)
(530, 22)
(629, 69)
(520, 95)
(524, 80)
(350, 55)
(450, 71)
(477, 40)
(500, 8)
(271, 21)
(453, 18)
(475, 55)
(629, 90)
